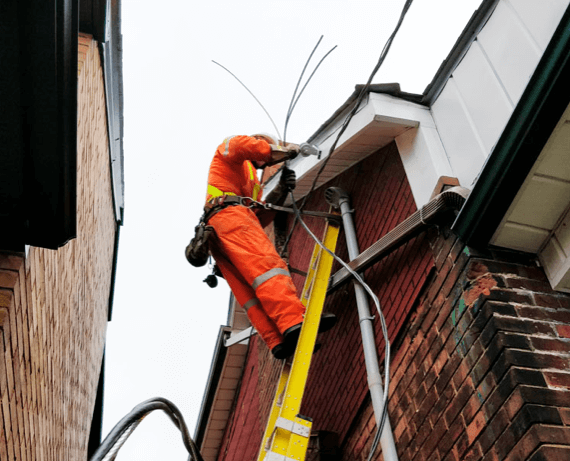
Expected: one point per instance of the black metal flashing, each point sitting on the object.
(459, 50)
(38, 122)
(92, 18)
(542, 104)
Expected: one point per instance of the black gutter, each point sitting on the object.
(539, 110)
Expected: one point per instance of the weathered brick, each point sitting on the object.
(493, 429)
(550, 452)
(563, 331)
(542, 313)
(458, 402)
(454, 431)
(541, 343)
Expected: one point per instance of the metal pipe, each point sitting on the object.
(432, 212)
(340, 198)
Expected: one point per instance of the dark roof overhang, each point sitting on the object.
(38, 123)
(532, 122)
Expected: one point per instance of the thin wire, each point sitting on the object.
(248, 90)
(289, 110)
(298, 218)
(379, 310)
(306, 83)
(344, 126)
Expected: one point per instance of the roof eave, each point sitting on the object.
(542, 104)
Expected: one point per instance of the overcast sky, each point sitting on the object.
(178, 106)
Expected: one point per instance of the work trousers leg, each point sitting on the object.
(246, 298)
(240, 240)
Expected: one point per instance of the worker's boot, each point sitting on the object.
(291, 335)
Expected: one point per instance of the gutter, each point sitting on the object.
(542, 104)
(433, 212)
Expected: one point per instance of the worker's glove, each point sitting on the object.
(198, 251)
(292, 150)
(288, 179)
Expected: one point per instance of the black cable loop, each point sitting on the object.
(124, 428)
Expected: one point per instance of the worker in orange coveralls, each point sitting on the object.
(248, 260)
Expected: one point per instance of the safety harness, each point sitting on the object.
(197, 251)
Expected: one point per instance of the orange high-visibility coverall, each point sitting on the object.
(257, 276)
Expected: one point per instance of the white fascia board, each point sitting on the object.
(380, 120)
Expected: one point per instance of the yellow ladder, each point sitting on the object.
(287, 433)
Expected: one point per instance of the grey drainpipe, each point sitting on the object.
(432, 213)
(340, 198)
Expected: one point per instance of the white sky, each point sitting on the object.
(178, 107)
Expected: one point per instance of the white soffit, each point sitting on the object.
(378, 122)
(537, 220)
(227, 386)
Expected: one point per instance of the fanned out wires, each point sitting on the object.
(294, 99)
(109, 448)
(254, 97)
(298, 218)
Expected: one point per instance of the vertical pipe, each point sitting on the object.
(367, 331)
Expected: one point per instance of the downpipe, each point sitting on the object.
(339, 198)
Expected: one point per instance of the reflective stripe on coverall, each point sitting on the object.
(257, 276)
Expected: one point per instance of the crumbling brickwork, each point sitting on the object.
(482, 370)
(54, 305)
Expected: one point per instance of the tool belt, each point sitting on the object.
(216, 204)
(198, 250)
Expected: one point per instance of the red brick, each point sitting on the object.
(546, 300)
(557, 379)
(565, 415)
(475, 427)
(11, 261)
(551, 452)
(541, 313)
(474, 454)
(563, 330)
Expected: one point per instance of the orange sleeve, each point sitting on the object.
(238, 149)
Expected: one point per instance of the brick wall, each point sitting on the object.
(480, 365)
(53, 305)
(481, 371)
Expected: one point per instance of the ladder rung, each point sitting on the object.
(295, 427)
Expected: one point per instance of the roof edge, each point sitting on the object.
(541, 105)
(477, 21)
(220, 352)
